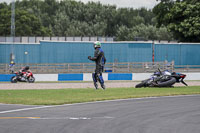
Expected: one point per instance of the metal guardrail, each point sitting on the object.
(127, 67)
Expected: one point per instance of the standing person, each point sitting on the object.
(100, 61)
(11, 67)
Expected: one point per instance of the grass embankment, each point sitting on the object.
(65, 96)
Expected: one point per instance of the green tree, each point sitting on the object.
(164, 34)
(5, 23)
(144, 32)
(29, 24)
(147, 15)
(75, 18)
(161, 9)
(182, 18)
(26, 24)
(3, 5)
(185, 21)
(123, 33)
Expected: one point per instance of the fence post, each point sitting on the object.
(68, 67)
(83, 68)
(36, 68)
(113, 67)
(128, 67)
(7, 68)
(173, 66)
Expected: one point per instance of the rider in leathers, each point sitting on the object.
(24, 69)
(100, 61)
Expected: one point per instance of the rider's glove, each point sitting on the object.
(89, 57)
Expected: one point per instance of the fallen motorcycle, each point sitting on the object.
(162, 79)
(24, 77)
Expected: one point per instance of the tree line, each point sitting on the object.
(73, 18)
(181, 17)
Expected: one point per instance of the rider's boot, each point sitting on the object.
(103, 86)
(94, 77)
(96, 85)
(101, 81)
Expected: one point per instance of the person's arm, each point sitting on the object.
(96, 54)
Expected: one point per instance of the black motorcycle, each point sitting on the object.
(162, 79)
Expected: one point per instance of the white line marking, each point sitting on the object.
(14, 104)
(106, 101)
(18, 110)
(19, 117)
(71, 118)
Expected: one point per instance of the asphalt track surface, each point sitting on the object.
(178, 114)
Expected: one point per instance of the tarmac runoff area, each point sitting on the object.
(109, 84)
(169, 114)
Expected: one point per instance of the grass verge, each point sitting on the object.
(66, 96)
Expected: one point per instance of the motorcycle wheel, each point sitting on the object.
(140, 85)
(13, 79)
(31, 79)
(167, 83)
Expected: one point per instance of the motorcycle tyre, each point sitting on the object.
(13, 81)
(140, 85)
(32, 79)
(168, 83)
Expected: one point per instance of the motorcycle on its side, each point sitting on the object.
(162, 79)
(24, 77)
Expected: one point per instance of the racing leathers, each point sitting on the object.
(24, 71)
(100, 61)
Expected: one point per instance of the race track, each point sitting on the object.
(178, 114)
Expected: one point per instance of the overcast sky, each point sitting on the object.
(120, 3)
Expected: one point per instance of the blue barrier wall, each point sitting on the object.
(77, 52)
(73, 77)
(19, 50)
(182, 54)
(120, 76)
(5, 77)
(70, 77)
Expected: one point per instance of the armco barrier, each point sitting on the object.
(88, 77)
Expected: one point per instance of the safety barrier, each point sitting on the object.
(88, 77)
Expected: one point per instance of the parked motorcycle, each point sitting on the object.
(24, 77)
(162, 79)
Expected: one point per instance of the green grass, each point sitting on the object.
(65, 96)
